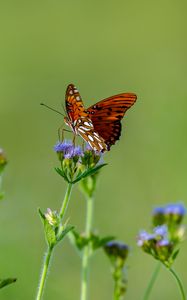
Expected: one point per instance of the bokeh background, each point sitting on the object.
(104, 48)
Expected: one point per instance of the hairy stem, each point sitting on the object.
(44, 273)
(47, 259)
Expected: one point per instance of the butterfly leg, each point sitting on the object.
(74, 137)
(83, 145)
(61, 133)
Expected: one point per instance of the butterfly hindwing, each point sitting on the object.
(84, 127)
(107, 113)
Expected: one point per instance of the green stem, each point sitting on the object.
(183, 296)
(86, 252)
(152, 281)
(44, 273)
(48, 255)
(66, 201)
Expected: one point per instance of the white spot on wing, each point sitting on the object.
(96, 134)
(71, 92)
(89, 144)
(97, 138)
(78, 98)
(90, 138)
(86, 129)
(88, 124)
(100, 146)
(75, 90)
(80, 130)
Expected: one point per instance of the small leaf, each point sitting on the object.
(50, 234)
(64, 232)
(88, 172)
(103, 241)
(7, 281)
(42, 216)
(175, 254)
(79, 241)
(62, 173)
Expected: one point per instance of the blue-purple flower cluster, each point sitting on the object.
(166, 235)
(68, 150)
(77, 163)
(170, 214)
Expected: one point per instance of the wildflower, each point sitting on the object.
(161, 231)
(67, 150)
(76, 163)
(91, 157)
(172, 214)
(144, 238)
(117, 253)
(52, 217)
(166, 235)
(116, 249)
(157, 244)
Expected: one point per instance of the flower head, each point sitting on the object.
(91, 158)
(171, 214)
(175, 209)
(67, 149)
(52, 217)
(161, 231)
(116, 249)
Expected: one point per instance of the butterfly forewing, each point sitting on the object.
(74, 103)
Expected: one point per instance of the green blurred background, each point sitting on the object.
(104, 48)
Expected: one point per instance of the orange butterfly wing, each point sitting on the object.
(107, 113)
(74, 104)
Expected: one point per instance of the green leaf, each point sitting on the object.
(62, 173)
(103, 241)
(88, 172)
(42, 216)
(98, 242)
(79, 240)
(64, 232)
(50, 233)
(7, 281)
(175, 254)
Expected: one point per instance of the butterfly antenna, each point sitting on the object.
(52, 109)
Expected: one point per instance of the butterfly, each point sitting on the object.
(99, 125)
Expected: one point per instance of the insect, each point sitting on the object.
(99, 125)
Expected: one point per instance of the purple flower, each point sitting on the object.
(144, 237)
(116, 249)
(175, 209)
(68, 149)
(163, 243)
(63, 146)
(159, 211)
(161, 231)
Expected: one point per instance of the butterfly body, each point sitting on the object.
(99, 125)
